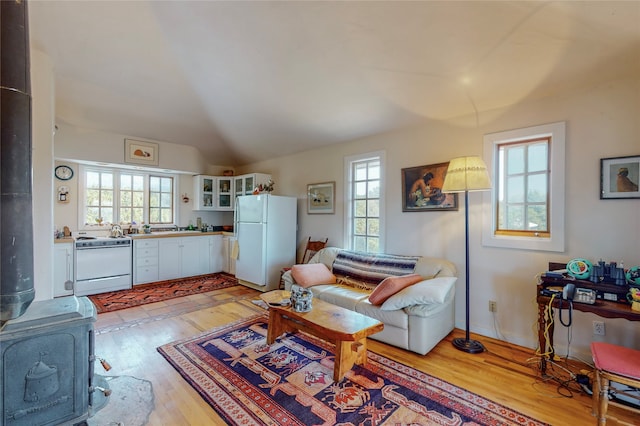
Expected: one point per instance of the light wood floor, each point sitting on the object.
(506, 373)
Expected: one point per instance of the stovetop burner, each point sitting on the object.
(92, 242)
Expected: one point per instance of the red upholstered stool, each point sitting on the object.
(617, 364)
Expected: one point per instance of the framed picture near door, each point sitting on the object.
(421, 189)
(321, 198)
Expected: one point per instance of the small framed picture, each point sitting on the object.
(422, 189)
(321, 198)
(619, 177)
(139, 152)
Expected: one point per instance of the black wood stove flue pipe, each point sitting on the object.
(16, 217)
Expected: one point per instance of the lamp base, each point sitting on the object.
(468, 345)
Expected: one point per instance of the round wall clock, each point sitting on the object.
(64, 172)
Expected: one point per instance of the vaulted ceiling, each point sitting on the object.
(243, 80)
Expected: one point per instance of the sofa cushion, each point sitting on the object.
(312, 274)
(390, 286)
(425, 292)
(340, 295)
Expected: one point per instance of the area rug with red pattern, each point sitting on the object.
(159, 291)
(248, 382)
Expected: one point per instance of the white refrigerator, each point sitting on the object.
(265, 226)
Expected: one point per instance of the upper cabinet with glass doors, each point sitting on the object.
(220, 192)
(224, 195)
(204, 192)
(245, 184)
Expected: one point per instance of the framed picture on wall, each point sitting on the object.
(139, 152)
(619, 177)
(321, 198)
(421, 189)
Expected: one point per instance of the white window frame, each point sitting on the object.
(556, 239)
(348, 194)
(116, 200)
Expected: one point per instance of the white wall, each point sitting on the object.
(602, 121)
(74, 145)
(78, 144)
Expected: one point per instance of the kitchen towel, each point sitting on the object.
(235, 250)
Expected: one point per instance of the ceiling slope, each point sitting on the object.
(244, 81)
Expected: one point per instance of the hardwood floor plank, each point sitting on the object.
(505, 373)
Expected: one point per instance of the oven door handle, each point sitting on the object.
(110, 277)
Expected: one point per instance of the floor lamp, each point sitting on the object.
(463, 175)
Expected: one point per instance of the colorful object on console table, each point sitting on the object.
(611, 273)
(634, 298)
(633, 276)
(579, 268)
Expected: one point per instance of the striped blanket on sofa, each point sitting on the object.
(366, 270)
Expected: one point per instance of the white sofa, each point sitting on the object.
(417, 327)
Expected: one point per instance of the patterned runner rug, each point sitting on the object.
(290, 382)
(163, 290)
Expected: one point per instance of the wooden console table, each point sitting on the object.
(602, 308)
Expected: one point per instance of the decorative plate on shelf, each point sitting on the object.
(633, 276)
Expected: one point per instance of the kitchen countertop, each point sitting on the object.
(162, 234)
(168, 234)
(64, 240)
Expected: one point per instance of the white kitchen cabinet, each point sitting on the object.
(183, 257)
(191, 249)
(245, 184)
(145, 261)
(169, 258)
(219, 192)
(224, 193)
(204, 192)
(216, 253)
(63, 269)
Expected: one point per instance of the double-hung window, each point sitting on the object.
(523, 187)
(114, 196)
(525, 208)
(364, 203)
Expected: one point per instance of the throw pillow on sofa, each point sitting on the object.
(392, 285)
(310, 274)
(434, 290)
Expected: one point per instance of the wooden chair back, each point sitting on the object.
(312, 248)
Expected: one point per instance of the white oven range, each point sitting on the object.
(102, 264)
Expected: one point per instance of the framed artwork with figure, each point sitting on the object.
(619, 177)
(422, 189)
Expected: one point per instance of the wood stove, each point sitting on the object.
(47, 363)
(46, 347)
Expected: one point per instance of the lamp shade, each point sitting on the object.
(466, 174)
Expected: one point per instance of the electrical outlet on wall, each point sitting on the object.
(598, 328)
(493, 306)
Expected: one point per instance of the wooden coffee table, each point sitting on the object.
(346, 329)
